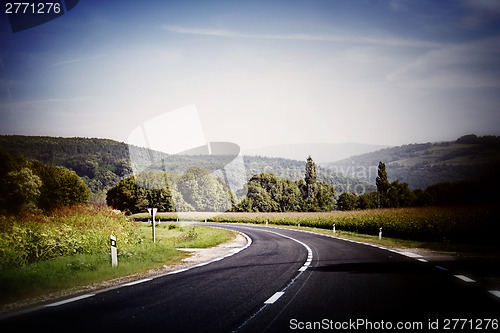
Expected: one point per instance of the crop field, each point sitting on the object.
(460, 225)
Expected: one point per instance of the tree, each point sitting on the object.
(325, 197)
(23, 190)
(368, 200)
(383, 184)
(127, 196)
(291, 197)
(60, 187)
(263, 190)
(202, 191)
(399, 195)
(348, 201)
(310, 178)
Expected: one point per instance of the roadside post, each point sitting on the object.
(380, 233)
(334, 228)
(114, 256)
(152, 212)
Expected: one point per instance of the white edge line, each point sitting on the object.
(74, 299)
(407, 254)
(274, 298)
(177, 271)
(69, 300)
(136, 282)
(464, 278)
(309, 251)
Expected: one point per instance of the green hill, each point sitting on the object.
(102, 163)
(421, 165)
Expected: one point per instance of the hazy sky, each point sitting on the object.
(259, 72)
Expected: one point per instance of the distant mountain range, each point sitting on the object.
(320, 152)
(469, 158)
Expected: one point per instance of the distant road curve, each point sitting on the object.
(285, 280)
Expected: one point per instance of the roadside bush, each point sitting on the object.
(67, 231)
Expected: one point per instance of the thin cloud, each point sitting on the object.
(465, 65)
(389, 41)
(71, 61)
(49, 100)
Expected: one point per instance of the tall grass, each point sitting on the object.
(30, 238)
(34, 263)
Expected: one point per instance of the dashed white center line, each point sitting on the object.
(442, 268)
(495, 292)
(274, 298)
(464, 278)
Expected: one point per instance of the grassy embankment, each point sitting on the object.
(42, 254)
(440, 228)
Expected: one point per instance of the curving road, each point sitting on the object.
(286, 280)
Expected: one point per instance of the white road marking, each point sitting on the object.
(69, 300)
(309, 251)
(441, 268)
(136, 282)
(410, 254)
(274, 298)
(495, 292)
(464, 278)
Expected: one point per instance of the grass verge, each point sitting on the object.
(54, 275)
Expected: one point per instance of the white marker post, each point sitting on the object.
(380, 233)
(334, 229)
(152, 212)
(114, 256)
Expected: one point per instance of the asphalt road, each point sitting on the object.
(286, 280)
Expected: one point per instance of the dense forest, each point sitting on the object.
(103, 163)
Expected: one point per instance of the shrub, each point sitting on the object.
(67, 231)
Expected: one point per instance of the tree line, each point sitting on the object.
(198, 190)
(102, 163)
(268, 193)
(32, 186)
(398, 194)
